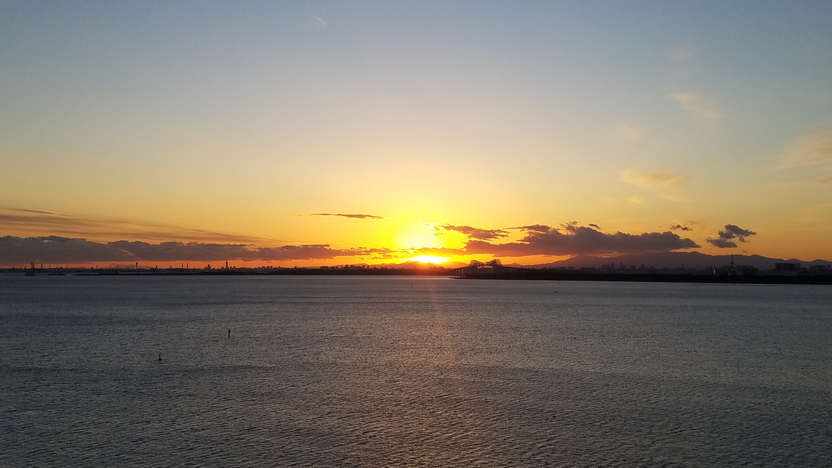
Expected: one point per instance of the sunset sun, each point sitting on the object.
(429, 259)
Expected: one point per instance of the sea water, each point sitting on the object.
(411, 371)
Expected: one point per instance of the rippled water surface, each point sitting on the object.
(355, 371)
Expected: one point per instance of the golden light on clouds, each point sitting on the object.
(811, 148)
(652, 180)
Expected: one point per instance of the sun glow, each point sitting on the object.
(414, 236)
(429, 259)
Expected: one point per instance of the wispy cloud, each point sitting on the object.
(628, 132)
(679, 227)
(472, 232)
(697, 104)
(350, 215)
(652, 180)
(636, 200)
(318, 22)
(28, 222)
(811, 148)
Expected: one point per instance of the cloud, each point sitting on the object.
(471, 232)
(697, 104)
(732, 231)
(27, 222)
(812, 148)
(652, 180)
(534, 227)
(318, 22)
(538, 239)
(573, 239)
(170, 251)
(679, 227)
(628, 132)
(635, 199)
(54, 249)
(722, 243)
(825, 180)
(350, 215)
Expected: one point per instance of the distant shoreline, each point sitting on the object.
(547, 275)
(522, 274)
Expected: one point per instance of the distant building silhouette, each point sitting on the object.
(787, 267)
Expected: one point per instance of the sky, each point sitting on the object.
(345, 132)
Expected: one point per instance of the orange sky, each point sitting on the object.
(453, 126)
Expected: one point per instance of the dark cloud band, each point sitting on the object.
(572, 239)
(54, 249)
